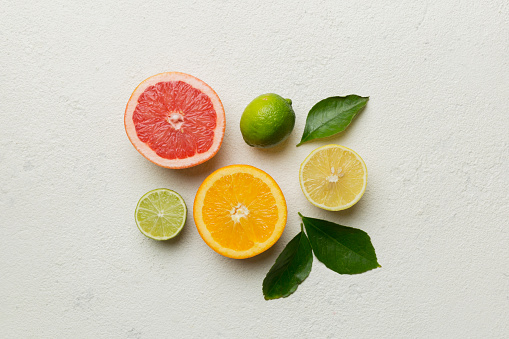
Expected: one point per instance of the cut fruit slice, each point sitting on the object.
(239, 211)
(175, 120)
(161, 214)
(333, 177)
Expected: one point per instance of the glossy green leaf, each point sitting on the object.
(343, 249)
(291, 268)
(331, 116)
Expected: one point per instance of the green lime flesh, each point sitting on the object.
(267, 121)
(161, 214)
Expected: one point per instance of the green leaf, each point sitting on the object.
(343, 249)
(291, 268)
(331, 116)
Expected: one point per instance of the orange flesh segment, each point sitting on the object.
(230, 197)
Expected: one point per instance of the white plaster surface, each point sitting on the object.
(434, 137)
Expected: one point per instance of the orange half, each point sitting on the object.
(239, 211)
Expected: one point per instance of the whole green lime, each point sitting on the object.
(267, 120)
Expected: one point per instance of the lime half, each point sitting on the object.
(161, 214)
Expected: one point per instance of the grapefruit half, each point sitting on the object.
(175, 120)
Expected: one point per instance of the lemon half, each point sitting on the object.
(333, 177)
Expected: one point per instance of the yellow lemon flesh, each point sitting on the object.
(333, 177)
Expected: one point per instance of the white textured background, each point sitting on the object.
(434, 136)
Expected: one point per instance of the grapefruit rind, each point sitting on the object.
(150, 154)
(258, 247)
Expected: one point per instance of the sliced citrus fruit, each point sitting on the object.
(333, 177)
(161, 214)
(239, 211)
(175, 120)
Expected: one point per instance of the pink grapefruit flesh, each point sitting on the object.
(175, 120)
